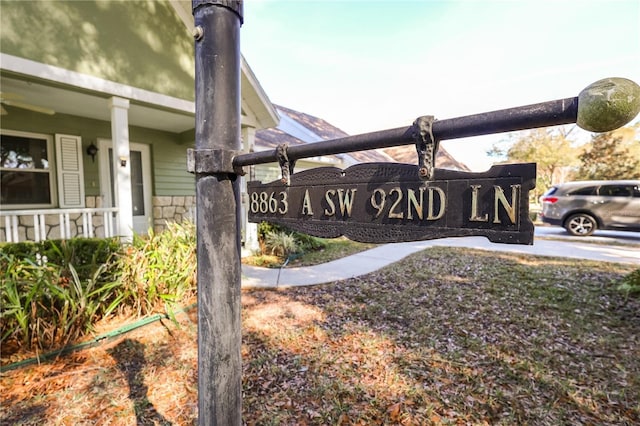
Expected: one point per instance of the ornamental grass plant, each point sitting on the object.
(53, 293)
(159, 271)
(47, 305)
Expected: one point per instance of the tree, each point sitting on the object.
(554, 153)
(611, 155)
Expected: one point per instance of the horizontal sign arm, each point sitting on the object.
(602, 106)
(562, 111)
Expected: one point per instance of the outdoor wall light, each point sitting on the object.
(123, 161)
(92, 150)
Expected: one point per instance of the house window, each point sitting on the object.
(26, 170)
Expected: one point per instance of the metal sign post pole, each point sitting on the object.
(217, 87)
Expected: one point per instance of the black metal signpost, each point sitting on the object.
(217, 59)
(368, 202)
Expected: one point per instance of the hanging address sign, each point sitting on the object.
(389, 202)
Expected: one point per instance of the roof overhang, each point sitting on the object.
(66, 92)
(255, 101)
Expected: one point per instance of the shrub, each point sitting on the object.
(85, 254)
(20, 289)
(304, 242)
(281, 243)
(265, 228)
(159, 269)
(46, 305)
(309, 242)
(630, 284)
(53, 292)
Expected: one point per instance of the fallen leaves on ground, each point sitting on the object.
(446, 336)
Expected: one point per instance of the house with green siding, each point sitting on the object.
(97, 104)
(97, 113)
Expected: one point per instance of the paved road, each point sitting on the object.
(602, 246)
(604, 237)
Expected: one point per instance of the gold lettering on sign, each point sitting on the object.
(285, 204)
(414, 206)
(378, 205)
(413, 201)
(443, 202)
(306, 204)
(392, 213)
(500, 199)
(332, 206)
(475, 216)
(346, 201)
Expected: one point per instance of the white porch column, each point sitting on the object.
(250, 229)
(122, 165)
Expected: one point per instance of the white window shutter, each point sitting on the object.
(70, 171)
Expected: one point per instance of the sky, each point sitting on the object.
(372, 65)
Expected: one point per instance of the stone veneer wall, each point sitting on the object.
(172, 209)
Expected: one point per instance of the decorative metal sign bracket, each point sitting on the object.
(426, 146)
(212, 161)
(286, 166)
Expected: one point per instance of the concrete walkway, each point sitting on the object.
(371, 260)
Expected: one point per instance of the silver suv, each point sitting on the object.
(583, 207)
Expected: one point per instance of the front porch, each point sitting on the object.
(94, 221)
(47, 224)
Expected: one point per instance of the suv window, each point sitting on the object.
(589, 190)
(616, 190)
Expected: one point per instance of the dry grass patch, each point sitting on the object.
(446, 336)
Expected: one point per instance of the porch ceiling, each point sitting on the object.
(90, 105)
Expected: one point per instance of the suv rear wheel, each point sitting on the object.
(581, 224)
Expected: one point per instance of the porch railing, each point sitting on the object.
(38, 225)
